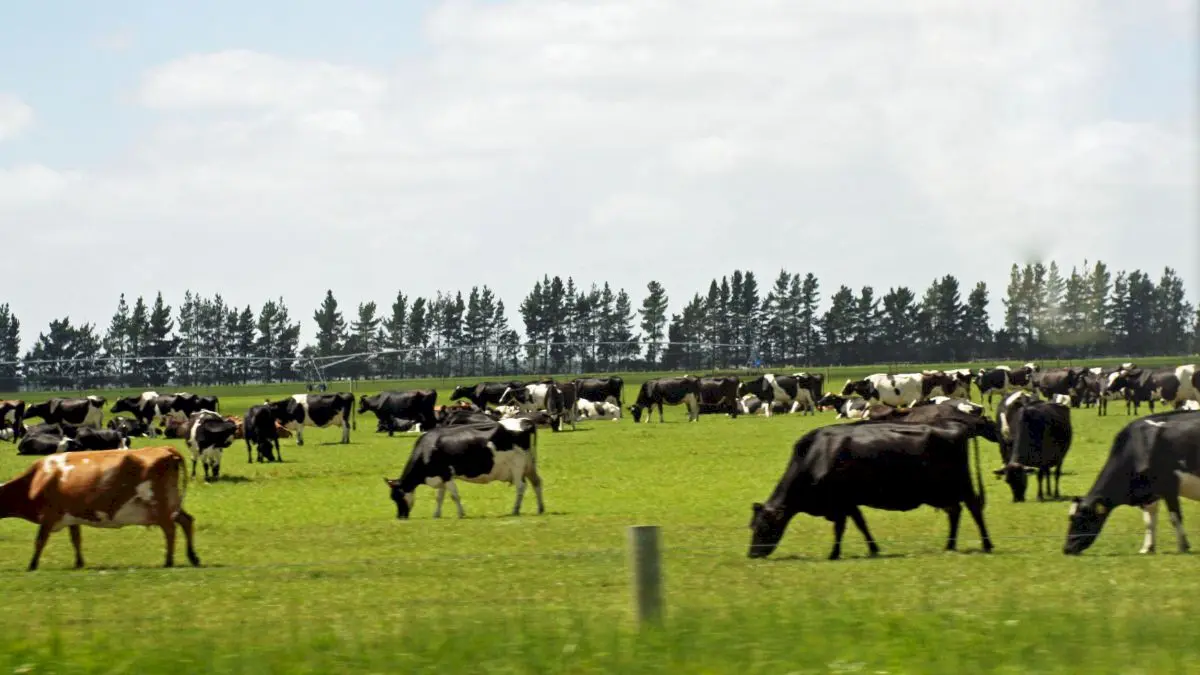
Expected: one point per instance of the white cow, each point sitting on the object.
(895, 390)
(601, 410)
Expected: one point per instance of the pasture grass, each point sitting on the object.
(306, 569)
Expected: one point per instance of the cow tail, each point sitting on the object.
(979, 475)
(353, 417)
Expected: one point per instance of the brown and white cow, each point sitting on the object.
(106, 489)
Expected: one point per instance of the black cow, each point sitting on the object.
(477, 453)
(207, 435)
(1169, 385)
(320, 410)
(101, 439)
(720, 395)
(560, 404)
(667, 391)
(601, 389)
(46, 444)
(1041, 437)
(885, 465)
(799, 392)
(258, 427)
(147, 408)
(128, 426)
(186, 403)
(1006, 412)
(1153, 458)
(1003, 380)
(416, 405)
(11, 414)
(47, 429)
(484, 393)
(83, 412)
(1061, 381)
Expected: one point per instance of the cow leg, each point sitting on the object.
(453, 488)
(1150, 519)
(536, 480)
(1057, 481)
(77, 544)
(520, 485)
(839, 529)
(249, 458)
(345, 432)
(194, 460)
(441, 495)
(660, 412)
(168, 528)
(861, 524)
(278, 452)
(1043, 473)
(43, 535)
(1177, 521)
(187, 522)
(975, 506)
(299, 434)
(955, 514)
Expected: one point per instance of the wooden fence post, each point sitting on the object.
(645, 562)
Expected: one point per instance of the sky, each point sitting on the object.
(284, 148)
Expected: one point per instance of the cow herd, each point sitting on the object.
(907, 446)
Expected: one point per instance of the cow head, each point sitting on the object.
(367, 403)
(1087, 516)
(284, 410)
(1017, 478)
(754, 386)
(404, 500)
(461, 391)
(636, 411)
(767, 525)
(831, 400)
(862, 388)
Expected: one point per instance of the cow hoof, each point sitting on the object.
(1146, 551)
(194, 559)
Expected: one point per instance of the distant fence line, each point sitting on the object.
(430, 362)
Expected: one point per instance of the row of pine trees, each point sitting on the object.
(1049, 313)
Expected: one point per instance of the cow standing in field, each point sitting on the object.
(260, 428)
(81, 412)
(1155, 458)
(208, 434)
(11, 414)
(1041, 438)
(1168, 385)
(484, 393)
(602, 390)
(1004, 380)
(105, 489)
(560, 404)
(320, 410)
(148, 407)
(836, 469)
(1006, 412)
(798, 392)
(416, 405)
(902, 390)
(1057, 382)
(477, 453)
(667, 391)
(719, 395)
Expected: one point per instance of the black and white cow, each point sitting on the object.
(81, 412)
(416, 405)
(1057, 381)
(798, 392)
(903, 390)
(207, 434)
(1155, 458)
(480, 452)
(1041, 437)
(560, 404)
(484, 393)
(835, 470)
(963, 379)
(258, 427)
(1003, 380)
(1168, 385)
(101, 439)
(597, 410)
(1006, 412)
(847, 407)
(150, 408)
(46, 444)
(719, 395)
(667, 391)
(557, 399)
(319, 410)
(749, 404)
(601, 390)
(967, 406)
(186, 403)
(129, 427)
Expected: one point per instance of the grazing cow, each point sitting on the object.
(1096, 385)
(128, 426)
(105, 489)
(101, 439)
(667, 391)
(846, 407)
(885, 465)
(46, 444)
(1004, 380)
(208, 434)
(484, 393)
(1169, 385)
(1057, 381)
(260, 427)
(597, 410)
(560, 404)
(477, 453)
(798, 392)
(1041, 433)
(83, 412)
(719, 395)
(1006, 412)
(416, 405)
(320, 410)
(11, 414)
(899, 390)
(1153, 458)
(602, 390)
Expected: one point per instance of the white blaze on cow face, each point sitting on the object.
(1061, 399)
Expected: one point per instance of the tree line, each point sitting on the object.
(1049, 313)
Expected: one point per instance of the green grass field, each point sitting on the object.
(307, 569)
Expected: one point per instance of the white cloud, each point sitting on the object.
(15, 116)
(622, 140)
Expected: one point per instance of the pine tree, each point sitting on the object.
(778, 312)
(898, 325)
(244, 344)
(976, 331)
(362, 339)
(654, 319)
(866, 321)
(809, 300)
(10, 348)
(137, 337)
(622, 329)
(1073, 317)
(331, 327)
(1172, 315)
(837, 325)
(1100, 287)
(115, 343)
(161, 344)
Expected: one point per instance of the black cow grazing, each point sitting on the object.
(798, 392)
(1006, 412)
(1057, 381)
(719, 395)
(46, 444)
(846, 407)
(258, 427)
(484, 393)
(885, 465)
(667, 391)
(1153, 458)
(11, 414)
(101, 439)
(416, 405)
(1003, 380)
(601, 390)
(207, 435)
(320, 410)
(561, 399)
(1041, 438)
(83, 412)
(128, 426)
(477, 453)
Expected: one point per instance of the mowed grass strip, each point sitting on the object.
(306, 569)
